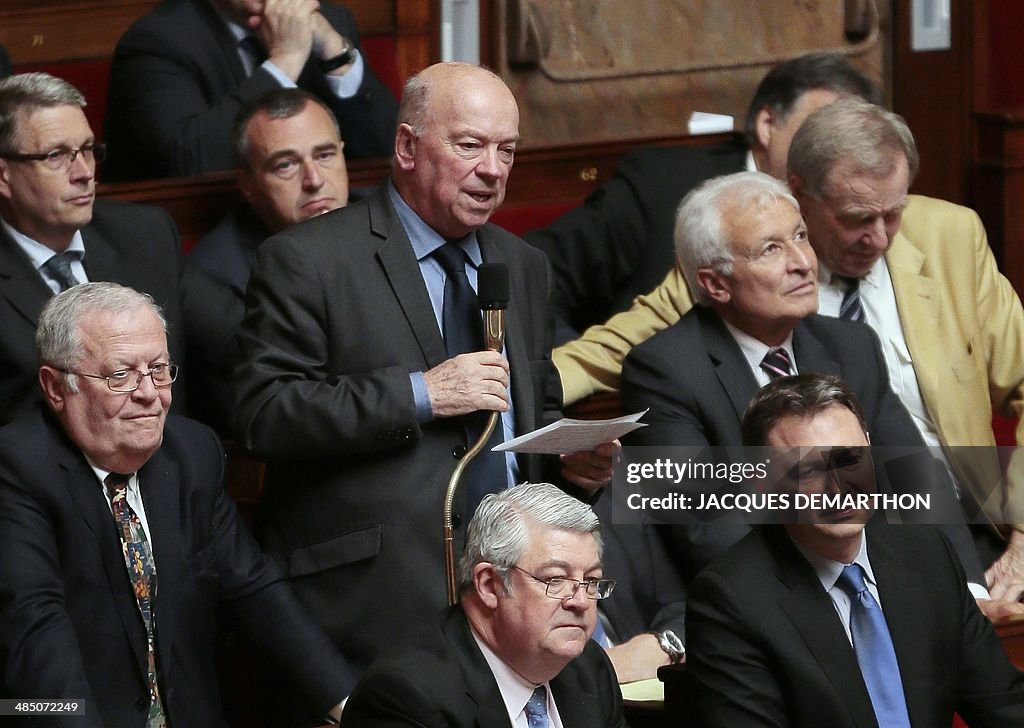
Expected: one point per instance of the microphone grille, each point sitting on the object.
(492, 286)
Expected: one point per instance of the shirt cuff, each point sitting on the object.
(978, 591)
(347, 86)
(278, 74)
(424, 412)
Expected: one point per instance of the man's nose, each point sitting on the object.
(490, 165)
(311, 177)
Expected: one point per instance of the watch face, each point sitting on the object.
(671, 643)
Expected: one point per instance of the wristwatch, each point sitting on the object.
(672, 645)
(347, 56)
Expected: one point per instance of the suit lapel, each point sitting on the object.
(731, 367)
(101, 261)
(899, 587)
(917, 300)
(20, 282)
(481, 687)
(814, 617)
(158, 481)
(221, 42)
(811, 356)
(403, 272)
(577, 707)
(87, 493)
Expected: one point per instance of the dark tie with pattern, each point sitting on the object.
(776, 363)
(464, 332)
(138, 557)
(851, 309)
(875, 654)
(537, 709)
(58, 268)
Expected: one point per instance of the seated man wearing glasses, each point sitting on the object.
(516, 650)
(288, 154)
(119, 549)
(55, 234)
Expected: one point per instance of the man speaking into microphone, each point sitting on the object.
(364, 376)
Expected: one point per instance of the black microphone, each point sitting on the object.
(492, 292)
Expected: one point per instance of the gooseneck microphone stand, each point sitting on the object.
(493, 294)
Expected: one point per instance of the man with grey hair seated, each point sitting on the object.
(104, 497)
(516, 650)
(743, 247)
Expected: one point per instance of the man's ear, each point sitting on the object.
(764, 126)
(405, 147)
(714, 284)
(245, 184)
(796, 185)
(488, 584)
(5, 180)
(54, 391)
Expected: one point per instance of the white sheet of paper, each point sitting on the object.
(567, 435)
(701, 122)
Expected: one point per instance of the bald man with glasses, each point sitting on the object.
(54, 234)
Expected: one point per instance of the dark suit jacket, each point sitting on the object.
(213, 287)
(702, 403)
(338, 316)
(69, 623)
(5, 63)
(649, 592)
(177, 83)
(442, 680)
(767, 647)
(134, 245)
(619, 243)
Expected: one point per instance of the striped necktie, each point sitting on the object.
(852, 308)
(776, 363)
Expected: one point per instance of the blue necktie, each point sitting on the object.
(875, 653)
(463, 331)
(537, 709)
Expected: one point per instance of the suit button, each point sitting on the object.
(456, 520)
(458, 451)
(142, 703)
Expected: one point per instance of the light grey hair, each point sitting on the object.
(58, 335)
(499, 533)
(701, 232)
(864, 138)
(26, 92)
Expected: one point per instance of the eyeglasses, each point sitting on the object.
(128, 380)
(561, 587)
(62, 158)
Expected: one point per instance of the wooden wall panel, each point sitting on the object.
(55, 31)
(592, 70)
(933, 91)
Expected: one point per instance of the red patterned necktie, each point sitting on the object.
(138, 557)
